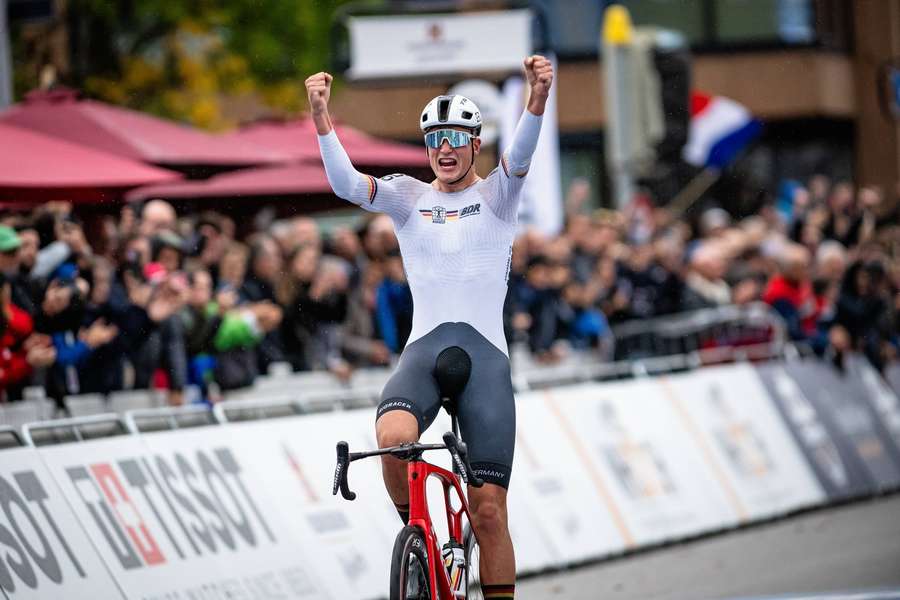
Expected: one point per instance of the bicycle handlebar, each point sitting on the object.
(457, 449)
(340, 472)
(460, 453)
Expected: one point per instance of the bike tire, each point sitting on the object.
(409, 564)
(473, 565)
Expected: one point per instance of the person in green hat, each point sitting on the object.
(9, 250)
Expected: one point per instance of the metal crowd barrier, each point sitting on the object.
(79, 429)
(168, 418)
(684, 333)
(708, 336)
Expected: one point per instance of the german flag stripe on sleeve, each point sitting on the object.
(373, 187)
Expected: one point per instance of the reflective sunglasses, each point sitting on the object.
(456, 138)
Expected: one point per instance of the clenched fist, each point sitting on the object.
(539, 72)
(318, 90)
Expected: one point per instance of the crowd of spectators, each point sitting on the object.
(154, 300)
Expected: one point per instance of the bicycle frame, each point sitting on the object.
(418, 472)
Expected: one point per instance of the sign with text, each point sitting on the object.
(551, 481)
(435, 44)
(637, 453)
(295, 457)
(44, 553)
(741, 430)
(842, 400)
(874, 390)
(178, 515)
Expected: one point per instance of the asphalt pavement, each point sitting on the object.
(849, 552)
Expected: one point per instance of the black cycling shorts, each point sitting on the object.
(486, 408)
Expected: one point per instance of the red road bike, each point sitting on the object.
(418, 570)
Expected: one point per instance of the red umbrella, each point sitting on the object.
(285, 180)
(35, 167)
(129, 133)
(298, 139)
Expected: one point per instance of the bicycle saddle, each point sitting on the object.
(451, 371)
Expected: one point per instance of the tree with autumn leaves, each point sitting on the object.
(209, 63)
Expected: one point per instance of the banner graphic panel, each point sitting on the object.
(179, 515)
(752, 448)
(831, 455)
(875, 391)
(842, 398)
(635, 450)
(295, 459)
(551, 482)
(44, 552)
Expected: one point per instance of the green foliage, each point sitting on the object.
(199, 60)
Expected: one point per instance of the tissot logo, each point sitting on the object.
(33, 545)
(198, 502)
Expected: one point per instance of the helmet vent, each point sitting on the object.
(466, 114)
(443, 109)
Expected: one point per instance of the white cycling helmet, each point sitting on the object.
(451, 110)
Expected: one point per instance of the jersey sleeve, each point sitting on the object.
(394, 195)
(509, 176)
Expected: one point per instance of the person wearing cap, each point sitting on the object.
(10, 267)
(9, 250)
(456, 237)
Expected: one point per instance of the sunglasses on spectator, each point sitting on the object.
(456, 138)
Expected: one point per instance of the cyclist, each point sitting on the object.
(455, 236)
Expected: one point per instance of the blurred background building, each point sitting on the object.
(817, 72)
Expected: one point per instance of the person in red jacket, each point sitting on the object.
(20, 348)
(790, 292)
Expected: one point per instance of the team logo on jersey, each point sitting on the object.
(472, 209)
(439, 214)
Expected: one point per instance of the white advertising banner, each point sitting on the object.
(548, 477)
(44, 552)
(414, 45)
(736, 426)
(295, 459)
(179, 515)
(633, 447)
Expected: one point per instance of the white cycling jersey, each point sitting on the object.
(456, 247)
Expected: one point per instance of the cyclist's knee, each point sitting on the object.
(489, 515)
(396, 427)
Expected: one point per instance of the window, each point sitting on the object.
(712, 23)
(686, 16)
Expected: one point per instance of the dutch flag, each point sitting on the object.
(719, 129)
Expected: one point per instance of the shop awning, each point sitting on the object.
(130, 134)
(39, 168)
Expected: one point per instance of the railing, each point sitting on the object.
(684, 333)
(78, 428)
(643, 347)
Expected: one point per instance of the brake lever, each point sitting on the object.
(340, 472)
(459, 451)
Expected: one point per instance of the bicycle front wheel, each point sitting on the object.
(409, 566)
(473, 565)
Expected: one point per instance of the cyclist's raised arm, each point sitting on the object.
(516, 158)
(388, 195)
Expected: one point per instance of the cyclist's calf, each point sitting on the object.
(487, 508)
